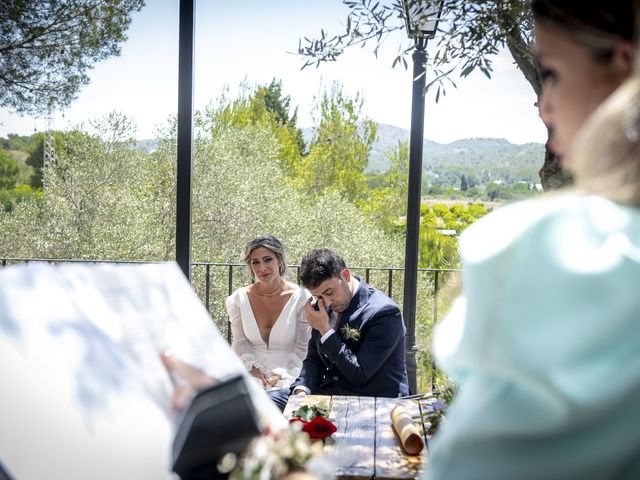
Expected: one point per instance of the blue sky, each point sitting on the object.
(252, 41)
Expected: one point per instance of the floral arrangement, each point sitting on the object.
(434, 415)
(282, 453)
(314, 421)
(349, 333)
(444, 392)
(276, 454)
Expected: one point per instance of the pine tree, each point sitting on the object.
(464, 186)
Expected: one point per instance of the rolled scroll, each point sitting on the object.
(410, 437)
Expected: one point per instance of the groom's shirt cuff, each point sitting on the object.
(324, 337)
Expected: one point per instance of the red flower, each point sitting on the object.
(319, 427)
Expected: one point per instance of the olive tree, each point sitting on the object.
(105, 199)
(471, 34)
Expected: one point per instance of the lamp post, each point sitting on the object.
(421, 17)
(185, 137)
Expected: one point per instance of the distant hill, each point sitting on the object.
(483, 159)
(147, 145)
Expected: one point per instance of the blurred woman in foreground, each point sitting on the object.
(545, 337)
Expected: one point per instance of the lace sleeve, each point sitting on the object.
(303, 333)
(240, 344)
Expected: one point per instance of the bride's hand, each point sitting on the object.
(274, 379)
(260, 376)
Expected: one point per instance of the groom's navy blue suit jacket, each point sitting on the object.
(371, 365)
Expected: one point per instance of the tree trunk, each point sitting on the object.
(552, 175)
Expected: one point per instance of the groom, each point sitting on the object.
(357, 343)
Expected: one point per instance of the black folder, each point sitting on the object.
(219, 420)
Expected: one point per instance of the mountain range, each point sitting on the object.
(481, 159)
(484, 159)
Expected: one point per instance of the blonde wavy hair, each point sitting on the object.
(606, 154)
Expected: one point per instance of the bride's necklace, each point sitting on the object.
(261, 293)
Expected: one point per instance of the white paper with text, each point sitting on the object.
(84, 393)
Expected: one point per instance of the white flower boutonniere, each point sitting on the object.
(349, 333)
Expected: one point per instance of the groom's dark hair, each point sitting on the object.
(319, 265)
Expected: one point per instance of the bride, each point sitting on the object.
(268, 325)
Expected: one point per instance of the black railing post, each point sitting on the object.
(207, 284)
(413, 208)
(230, 290)
(435, 296)
(435, 320)
(185, 136)
(230, 280)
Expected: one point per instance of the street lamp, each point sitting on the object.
(421, 18)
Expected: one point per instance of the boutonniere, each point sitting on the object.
(349, 333)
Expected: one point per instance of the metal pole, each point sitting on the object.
(185, 136)
(413, 209)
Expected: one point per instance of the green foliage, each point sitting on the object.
(428, 313)
(309, 412)
(36, 153)
(36, 160)
(437, 250)
(261, 105)
(388, 192)
(444, 392)
(9, 170)
(234, 201)
(480, 160)
(520, 190)
(24, 175)
(22, 193)
(94, 196)
(340, 148)
(93, 205)
(471, 33)
(446, 389)
(106, 199)
(278, 104)
(464, 185)
(16, 142)
(48, 46)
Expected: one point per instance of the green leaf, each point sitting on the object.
(309, 412)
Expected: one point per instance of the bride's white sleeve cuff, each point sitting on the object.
(250, 361)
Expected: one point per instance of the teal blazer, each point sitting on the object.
(545, 341)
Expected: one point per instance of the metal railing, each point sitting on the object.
(213, 282)
(387, 285)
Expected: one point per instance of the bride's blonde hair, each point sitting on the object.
(606, 153)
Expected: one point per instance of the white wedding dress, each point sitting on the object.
(286, 345)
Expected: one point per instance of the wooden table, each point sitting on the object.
(365, 445)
